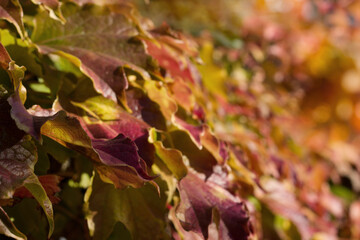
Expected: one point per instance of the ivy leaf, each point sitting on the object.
(5, 58)
(33, 185)
(15, 72)
(101, 108)
(140, 210)
(16, 167)
(11, 11)
(180, 232)
(199, 198)
(176, 64)
(144, 108)
(116, 159)
(99, 42)
(50, 185)
(120, 151)
(101, 2)
(201, 160)
(119, 121)
(202, 136)
(53, 6)
(283, 202)
(8, 228)
(158, 93)
(16, 164)
(27, 122)
(171, 157)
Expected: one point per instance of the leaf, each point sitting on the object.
(176, 64)
(199, 198)
(142, 107)
(182, 94)
(355, 218)
(115, 120)
(16, 168)
(120, 151)
(101, 108)
(116, 159)
(16, 165)
(180, 232)
(68, 132)
(171, 157)
(27, 209)
(25, 56)
(4, 57)
(158, 93)
(193, 131)
(214, 77)
(98, 2)
(201, 160)
(99, 43)
(27, 122)
(202, 136)
(50, 185)
(284, 203)
(118, 122)
(53, 6)
(15, 72)
(214, 145)
(8, 228)
(140, 210)
(11, 11)
(34, 186)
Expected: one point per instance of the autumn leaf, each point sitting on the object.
(198, 199)
(140, 210)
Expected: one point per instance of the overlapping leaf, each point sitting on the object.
(140, 210)
(198, 199)
(99, 42)
(11, 11)
(132, 100)
(8, 228)
(116, 159)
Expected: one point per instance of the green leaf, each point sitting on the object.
(34, 186)
(11, 11)
(53, 6)
(17, 166)
(158, 93)
(172, 158)
(140, 210)
(8, 228)
(116, 158)
(25, 56)
(26, 209)
(101, 108)
(99, 42)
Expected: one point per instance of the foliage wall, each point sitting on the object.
(179, 119)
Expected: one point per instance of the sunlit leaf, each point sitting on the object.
(53, 6)
(96, 41)
(172, 158)
(11, 11)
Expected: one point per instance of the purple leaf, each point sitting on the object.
(199, 198)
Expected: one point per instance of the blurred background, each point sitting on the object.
(296, 64)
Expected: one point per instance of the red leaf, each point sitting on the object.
(50, 184)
